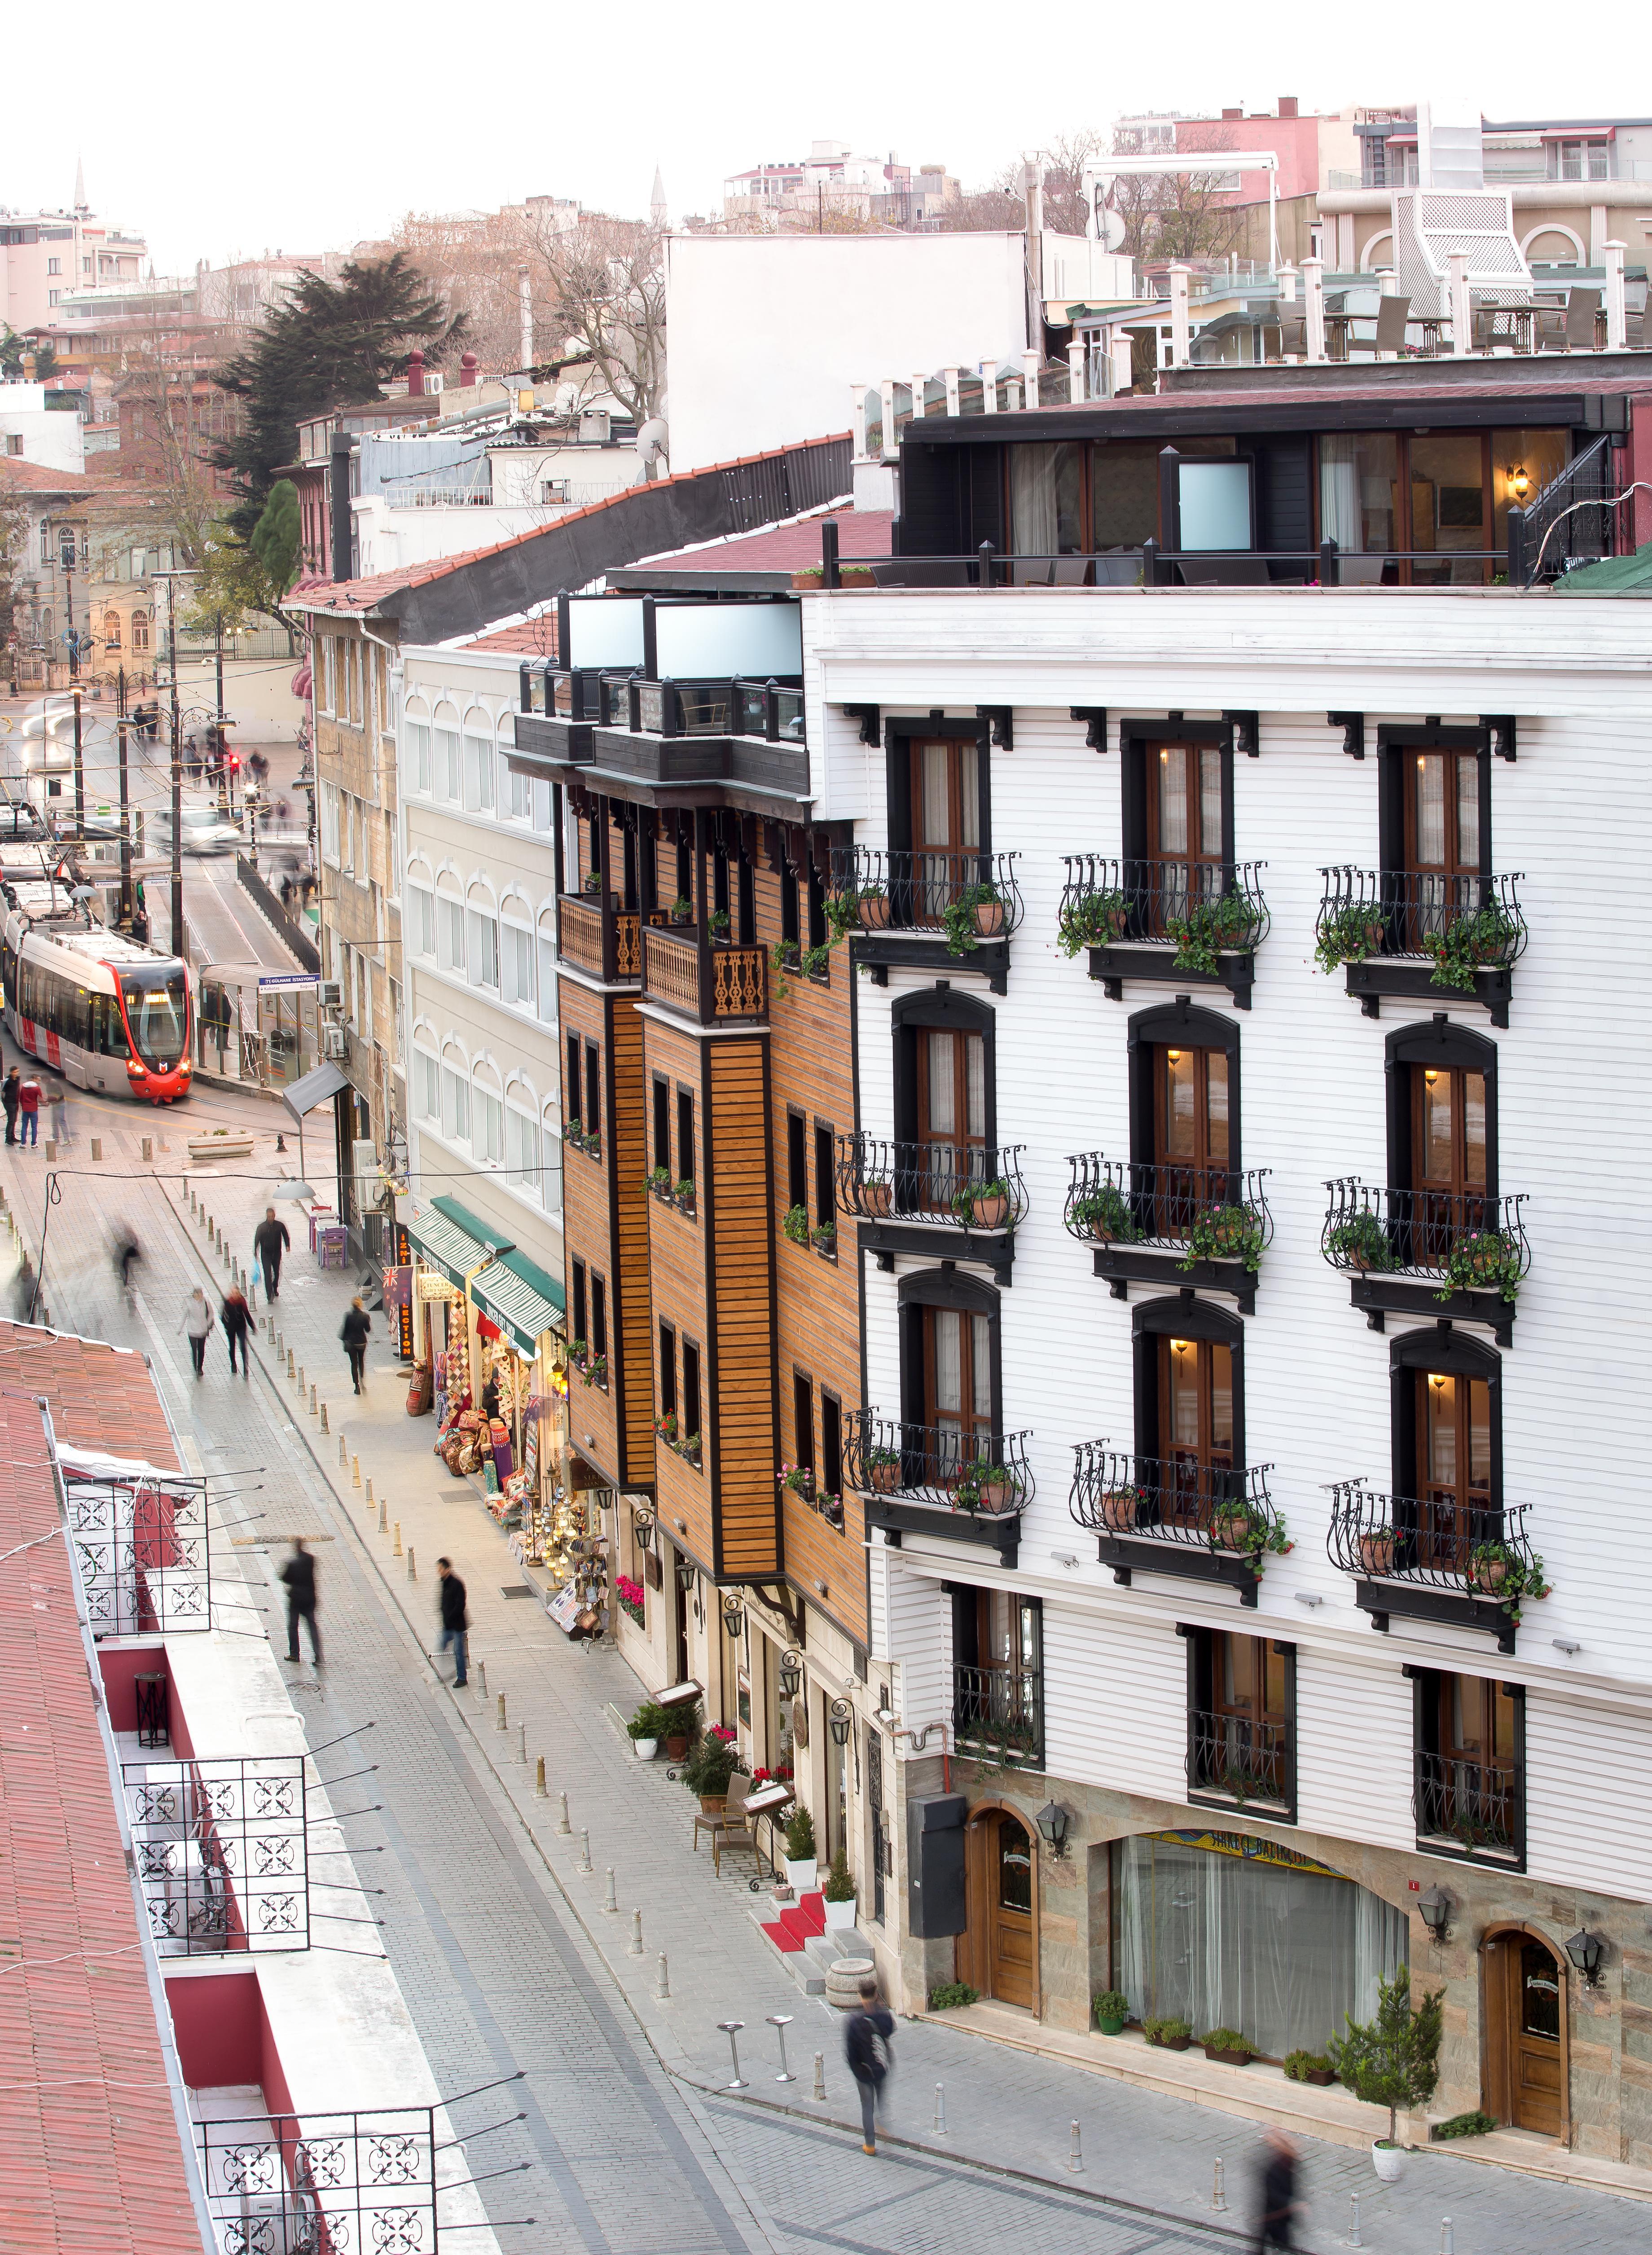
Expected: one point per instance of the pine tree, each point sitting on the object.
(275, 535)
(331, 345)
(1394, 2060)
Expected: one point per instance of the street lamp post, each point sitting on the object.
(66, 557)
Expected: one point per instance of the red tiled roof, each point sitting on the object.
(533, 637)
(352, 597)
(32, 477)
(787, 547)
(93, 2163)
(100, 1397)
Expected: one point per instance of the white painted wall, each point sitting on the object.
(52, 438)
(768, 333)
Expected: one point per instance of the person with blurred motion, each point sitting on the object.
(270, 1241)
(866, 2045)
(1277, 2204)
(299, 1574)
(355, 1331)
(235, 1317)
(197, 1322)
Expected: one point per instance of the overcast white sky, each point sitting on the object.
(304, 126)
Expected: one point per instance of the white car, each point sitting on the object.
(204, 831)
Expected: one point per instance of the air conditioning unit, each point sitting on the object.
(433, 381)
(334, 1042)
(332, 994)
(364, 1160)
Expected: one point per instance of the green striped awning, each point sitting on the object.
(519, 1307)
(445, 1244)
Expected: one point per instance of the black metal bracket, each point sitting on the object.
(1353, 728)
(1500, 734)
(1095, 725)
(871, 721)
(1246, 734)
(1003, 719)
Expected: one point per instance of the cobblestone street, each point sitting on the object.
(501, 1944)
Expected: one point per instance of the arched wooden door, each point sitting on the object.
(998, 1952)
(1527, 2066)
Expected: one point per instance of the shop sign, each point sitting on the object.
(432, 1285)
(397, 1285)
(1252, 1850)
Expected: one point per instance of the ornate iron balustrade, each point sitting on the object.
(966, 1186)
(1431, 1542)
(945, 1465)
(1203, 909)
(1469, 1242)
(1217, 1507)
(220, 1849)
(885, 890)
(323, 2184)
(1210, 1214)
(599, 938)
(1243, 1761)
(142, 1552)
(1458, 923)
(1479, 1806)
(999, 1711)
(711, 984)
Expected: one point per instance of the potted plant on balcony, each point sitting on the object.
(592, 881)
(684, 1195)
(709, 1768)
(689, 1451)
(646, 1728)
(838, 1894)
(666, 1428)
(1499, 1572)
(878, 1197)
(1232, 1526)
(719, 921)
(1488, 1565)
(682, 910)
(596, 1372)
(1120, 1507)
(1375, 1546)
(799, 1857)
(798, 1478)
(1104, 1215)
(1091, 921)
(824, 1240)
(1484, 1259)
(1225, 1232)
(1213, 929)
(1359, 1242)
(815, 962)
(658, 1179)
(630, 1594)
(1349, 935)
(1226, 2045)
(1392, 2061)
(983, 1205)
(1468, 944)
(872, 907)
(977, 913)
(1112, 2009)
(578, 1355)
(1169, 2034)
(795, 1225)
(883, 1469)
(995, 1488)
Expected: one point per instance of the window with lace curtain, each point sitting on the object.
(481, 947)
(455, 1103)
(517, 962)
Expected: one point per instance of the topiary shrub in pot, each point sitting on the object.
(800, 1849)
(839, 1894)
(708, 1769)
(1112, 2009)
(646, 1728)
(1393, 2061)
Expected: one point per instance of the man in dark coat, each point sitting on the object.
(1277, 2204)
(865, 2046)
(9, 1094)
(355, 1330)
(299, 1574)
(270, 1241)
(234, 1316)
(450, 1596)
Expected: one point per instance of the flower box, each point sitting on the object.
(991, 1212)
(1229, 2058)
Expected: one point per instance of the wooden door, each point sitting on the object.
(1442, 830)
(957, 1390)
(1449, 1176)
(1453, 1469)
(1526, 1998)
(1195, 1427)
(1013, 1969)
(1192, 1144)
(952, 1118)
(945, 823)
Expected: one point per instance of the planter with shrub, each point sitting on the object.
(1309, 2067)
(800, 1850)
(1112, 2009)
(1226, 2045)
(952, 1996)
(1471, 2125)
(708, 1769)
(1169, 2034)
(646, 1728)
(1392, 2060)
(839, 1894)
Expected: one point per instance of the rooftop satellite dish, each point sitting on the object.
(651, 439)
(1109, 225)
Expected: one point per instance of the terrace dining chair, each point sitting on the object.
(1393, 313)
(1582, 306)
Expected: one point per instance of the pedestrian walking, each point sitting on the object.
(236, 1316)
(127, 1250)
(867, 2047)
(197, 1322)
(29, 1110)
(299, 1574)
(57, 1097)
(22, 1286)
(355, 1330)
(270, 1241)
(9, 1098)
(449, 1597)
(1276, 2192)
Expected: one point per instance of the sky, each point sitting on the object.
(308, 127)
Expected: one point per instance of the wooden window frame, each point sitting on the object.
(581, 1309)
(826, 1196)
(1427, 1685)
(598, 1341)
(1396, 744)
(803, 1428)
(1201, 1699)
(1444, 1349)
(1440, 1042)
(830, 1480)
(667, 1370)
(1178, 1025)
(693, 1364)
(593, 1086)
(899, 737)
(575, 1064)
(1183, 1318)
(946, 1288)
(660, 1120)
(939, 1009)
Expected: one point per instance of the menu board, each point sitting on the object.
(564, 1609)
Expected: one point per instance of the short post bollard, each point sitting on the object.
(634, 1947)
(1075, 2158)
(396, 1551)
(563, 1825)
(500, 1721)
(611, 1906)
(541, 1790)
(1354, 2240)
(940, 2109)
(369, 1495)
(97, 1148)
(355, 1471)
(148, 1149)
(522, 1750)
(300, 1377)
(324, 1424)
(818, 2092)
(662, 1986)
(384, 1517)
(780, 2023)
(413, 1571)
(585, 1863)
(344, 1453)
(1219, 2195)
(731, 2029)
(291, 1365)
(481, 1679)
(1446, 2245)
(312, 1402)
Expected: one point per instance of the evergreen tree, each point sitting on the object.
(1394, 2060)
(276, 536)
(331, 345)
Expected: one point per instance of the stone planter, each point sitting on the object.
(801, 1874)
(843, 1982)
(1388, 2160)
(645, 1749)
(839, 1916)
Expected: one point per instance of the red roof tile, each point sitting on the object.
(792, 547)
(100, 1397)
(533, 637)
(34, 477)
(92, 2162)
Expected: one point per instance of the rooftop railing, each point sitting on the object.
(771, 711)
(220, 1849)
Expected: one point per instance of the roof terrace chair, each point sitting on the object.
(1293, 336)
(1393, 313)
(1582, 306)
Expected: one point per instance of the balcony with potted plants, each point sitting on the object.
(674, 731)
(1241, 1762)
(1203, 1226)
(1153, 1515)
(998, 1716)
(1185, 924)
(1467, 1565)
(1422, 934)
(958, 1202)
(1459, 1256)
(937, 1480)
(926, 911)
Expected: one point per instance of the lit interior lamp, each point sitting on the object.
(1519, 483)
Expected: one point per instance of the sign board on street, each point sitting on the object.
(268, 981)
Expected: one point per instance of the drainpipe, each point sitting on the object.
(1181, 333)
(1314, 275)
(1462, 322)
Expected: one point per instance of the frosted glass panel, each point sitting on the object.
(699, 640)
(1215, 504)
(604, 631)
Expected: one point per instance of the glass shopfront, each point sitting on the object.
(1223, 1930)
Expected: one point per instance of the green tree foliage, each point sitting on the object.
(11, 351)
(331, 345)
(46, 363)
(275, 537)
(239, 581)
(1394, 2060)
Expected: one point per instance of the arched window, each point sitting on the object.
(140, 629)
(479, 763)
(112, 629)
(456, 1094)
(550, 1158)
(415, 728)
(488, 1117)
(482, 938)
(548, 966)
(427, 1095)
(450, 926)
(522, 1138)
(951, 1379)
(516, 938)
(516, 791)
(445, 752)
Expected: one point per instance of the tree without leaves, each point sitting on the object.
(332, 344)
(14, 552)
(610, 277)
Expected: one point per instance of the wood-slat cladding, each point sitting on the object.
(742, 1364)
(680, 1287)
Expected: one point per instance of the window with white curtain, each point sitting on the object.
(516, 950)
(444, 753)
(482, 948)
(327, 810)
(516, 791)
(541, 805)
(487, 1136)
(548, 968)
(551, 1162)
(455, 1104)
(479, 777)
(427, 1085)
(450, 933)
(420, 912)
(522, 1149)
(419, 769)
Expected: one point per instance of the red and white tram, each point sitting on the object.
(107, 1012)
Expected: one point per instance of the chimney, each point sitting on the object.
(467, 369)
(1229, 115)
(338, 504)
(416, 373)
(1288, 105)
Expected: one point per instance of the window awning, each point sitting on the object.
(519, 1295)
(445, 1245)
(313, 1088)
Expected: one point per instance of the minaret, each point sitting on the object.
(657, 204)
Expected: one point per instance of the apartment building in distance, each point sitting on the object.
(45, 254)
(832, 185)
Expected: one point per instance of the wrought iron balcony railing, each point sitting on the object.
(952, 1467)
(964, 896)
(1463, 1239)
(1224, 1508)
(1242, 1761)
(1206, 1213)
(597, 936)
(220, 1849)
(1458, 923)
(1000, 1711)
(1202, 909)
(1479, 1806)
(1479, 1548)
(714, 985)
(143, 1550)
(324, 2183)
(968, 1186)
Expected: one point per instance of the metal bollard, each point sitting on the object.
(344, 1453)
(1446, 2244)
(940, 2109)
(383, 1518)
(1075, 2158)
(369, 1495)
(563, 1825)
(324, 1424)
(481, 1679)
(355, 1471)
(818, 2092)
(731, 2029)
(780, 2023)
(611, 1908)
(412, 1573)
(148, 1149)
(584, 1864)
(1219, 2195)
(1354, 2240)
(300, 1375)
(500, 1724)
(541, 1791)
(634, 1947)
(97, 1148)
(521, 1752)
(312, 1402)
(280, 1337)
(396, 1550)
(662, 1986)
